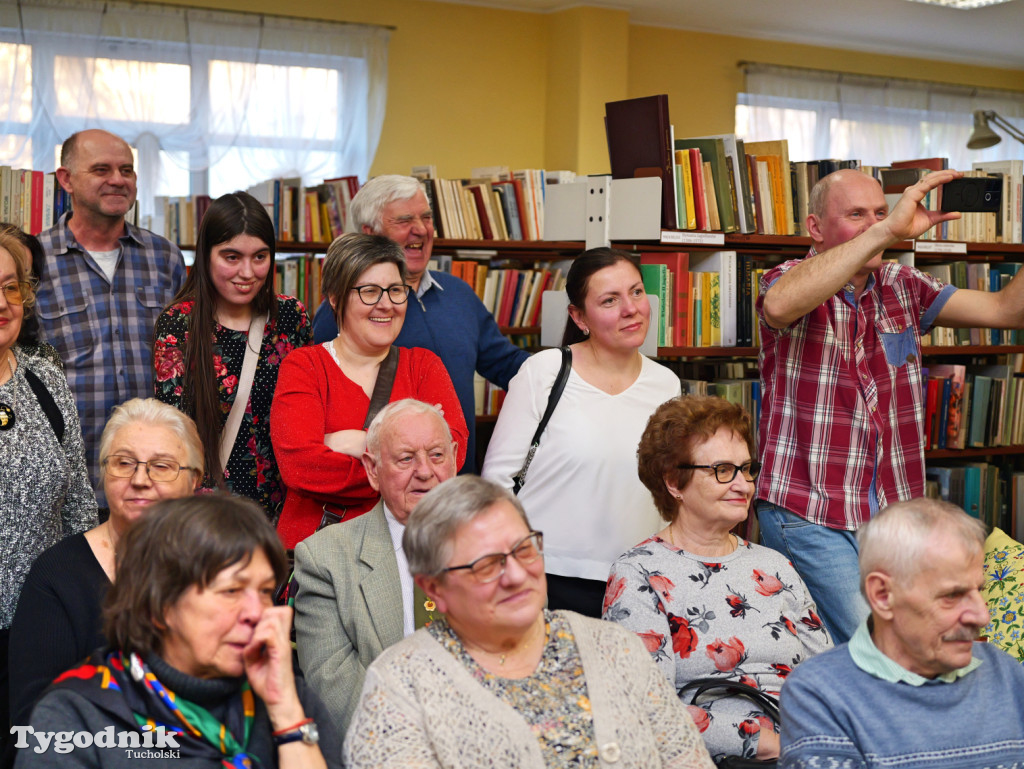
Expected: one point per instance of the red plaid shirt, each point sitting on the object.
(842, 403)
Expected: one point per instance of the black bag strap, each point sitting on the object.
(49, 405)
(703, 685)
(382, 387)
(556, 392)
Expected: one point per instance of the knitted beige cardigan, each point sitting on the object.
(421, 708)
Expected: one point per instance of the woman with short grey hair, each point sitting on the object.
(495, 680)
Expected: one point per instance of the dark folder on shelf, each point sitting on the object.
(640, 144)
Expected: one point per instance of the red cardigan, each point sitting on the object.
(313, 398)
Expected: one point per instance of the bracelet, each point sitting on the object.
(292, 728)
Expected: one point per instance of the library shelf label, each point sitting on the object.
(695, 238)
(939, 247)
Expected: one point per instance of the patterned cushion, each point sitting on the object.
(1004, 592)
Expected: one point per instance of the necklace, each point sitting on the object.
(7, 412)
(526, 643)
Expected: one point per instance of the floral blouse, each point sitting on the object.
(251, 470)
(552, 700)
(745, 616)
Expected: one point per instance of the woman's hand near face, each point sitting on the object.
(351, 442)
(268, 666)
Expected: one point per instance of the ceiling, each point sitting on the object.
(992, 36)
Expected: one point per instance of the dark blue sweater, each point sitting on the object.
(836, 715)
(451, 321)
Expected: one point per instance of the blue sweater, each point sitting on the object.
(451, 321)
(836, 715)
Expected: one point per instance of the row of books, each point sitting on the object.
(976, 406)
(513, 296)
(33, 200)
(495, 203)
(721, 183)
(299, 276)
(706, 299)
(981, 276)
(316, 214)
(487, 397)
(979, 488)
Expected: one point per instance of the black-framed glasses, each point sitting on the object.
(726, 471)
(17, 291)
(488, 568)
(158, 470)
(370, 293)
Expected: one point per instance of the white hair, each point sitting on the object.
(367, 208)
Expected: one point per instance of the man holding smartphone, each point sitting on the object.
(842, 409)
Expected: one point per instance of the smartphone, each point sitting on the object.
(972, 194)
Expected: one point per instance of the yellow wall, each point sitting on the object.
(471, 86)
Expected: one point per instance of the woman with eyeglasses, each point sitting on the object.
(45, 493)
(149, 451)
(247, 332)
(706, 602)
(327, 394)
(495, 680)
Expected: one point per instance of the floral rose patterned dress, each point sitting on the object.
(252, 471)
(745, 616)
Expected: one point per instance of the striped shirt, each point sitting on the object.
(842, 406)
(103, 329)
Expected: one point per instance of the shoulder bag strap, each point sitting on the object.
(556, 392)
(382, 387)
(48, 404)
(252, 355)
(703, 685)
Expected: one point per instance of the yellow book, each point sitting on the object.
(683, 160)
(705, 309)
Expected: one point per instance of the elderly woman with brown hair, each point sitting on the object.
(200, 663)
(706, 602)
(498, 681)
(322, 405)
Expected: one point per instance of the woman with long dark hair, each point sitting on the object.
(230, 293)
(582, 489)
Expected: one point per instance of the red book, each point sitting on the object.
(931, 412)
(36, 220)
(481, 212)
(678, 264)
(700, 200)
(508, 296)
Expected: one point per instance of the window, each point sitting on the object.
(874, 120)
(210, 101)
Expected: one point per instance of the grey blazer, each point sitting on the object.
(348, 608)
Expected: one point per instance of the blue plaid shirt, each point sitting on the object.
(102, 329)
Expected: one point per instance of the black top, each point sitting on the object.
(58, 621)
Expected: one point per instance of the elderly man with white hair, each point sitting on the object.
(355, 594)
(914, 687)
(447, 317)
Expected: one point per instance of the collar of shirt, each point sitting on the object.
(426, 283)
(66, 238)
(395, 528)
(872, 661)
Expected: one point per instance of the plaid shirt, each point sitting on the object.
(842, 399)
(104, 330)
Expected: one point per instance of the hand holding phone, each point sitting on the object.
(972, 194)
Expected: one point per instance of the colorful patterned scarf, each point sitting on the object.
(125, 686)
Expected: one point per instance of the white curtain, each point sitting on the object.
(211, 101)
(874, 120)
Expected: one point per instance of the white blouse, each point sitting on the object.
(582, 489)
